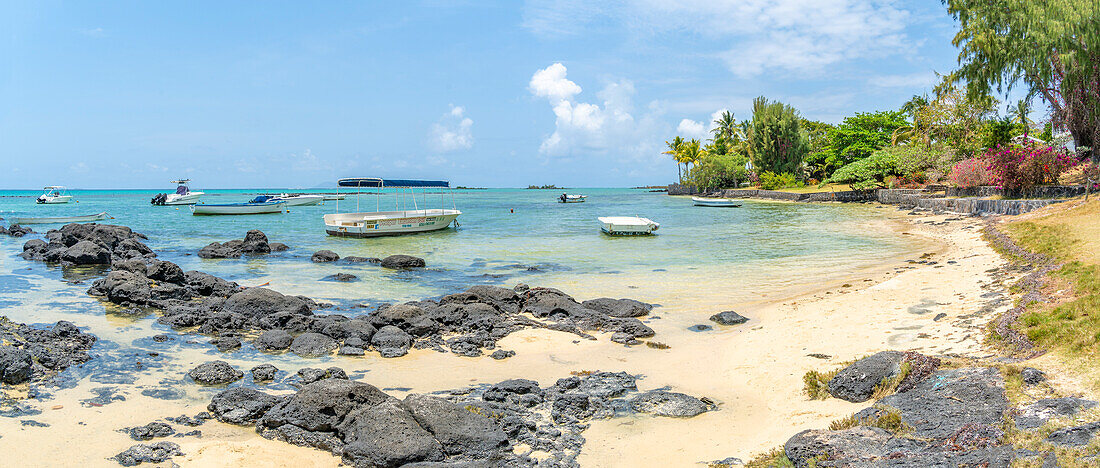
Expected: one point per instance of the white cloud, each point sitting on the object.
(454, 131)
(752, 37)
(691, 129)
(606, 127)
(79, 167)
(551, 83)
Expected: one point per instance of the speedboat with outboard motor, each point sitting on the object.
(53, 195)
(183, 195)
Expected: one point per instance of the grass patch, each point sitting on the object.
(889, 420)
(1069, 325)
(816, 384)
(775, 458)
(890, 384)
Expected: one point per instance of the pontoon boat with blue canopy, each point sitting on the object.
(410, 214)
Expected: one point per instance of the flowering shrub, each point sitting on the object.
(1017, 166)
(973, 172)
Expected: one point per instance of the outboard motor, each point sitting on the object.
(159, 199)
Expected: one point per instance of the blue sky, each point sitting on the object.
(499, 94)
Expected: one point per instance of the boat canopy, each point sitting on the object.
(399, 183)
(261, 199)
(53, 187)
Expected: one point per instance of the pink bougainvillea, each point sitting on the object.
(1016, 166)
(973, 172)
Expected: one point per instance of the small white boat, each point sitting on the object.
(53, 195)
(252, 207)
(298, 200)
(716, 202)
(398, 221)
(628, 225)
(60, 219)
(566, 198)
(183, 195)
(334, 196)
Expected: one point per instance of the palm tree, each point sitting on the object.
(691, 152)
(1019, 114)
(674, 148)
(725, 126)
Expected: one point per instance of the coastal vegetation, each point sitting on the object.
(957, 134)
(1069, 326)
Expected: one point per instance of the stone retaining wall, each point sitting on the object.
(1046, 191)
(681, 189)
(912, 198)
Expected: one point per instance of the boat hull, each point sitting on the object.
(628, 226)
(388, 223)
(238, 209)
(60, 219)
(55, 200)
(189, 199)
(715, 202)
(306, 200)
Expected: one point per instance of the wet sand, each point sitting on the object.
(754, 371)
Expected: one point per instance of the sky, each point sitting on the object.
(134, 94)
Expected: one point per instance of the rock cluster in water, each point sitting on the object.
(88, 244)
(465, 323)
(254, 243)
(30, 354)
(476, 427)
(15, 230)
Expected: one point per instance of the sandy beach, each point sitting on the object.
(753, 371)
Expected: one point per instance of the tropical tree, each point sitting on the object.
(691, 152)
(1019, 114)
(674, 148)
(777, 141)
(725, 127)
(818, 133)
(1050, 47)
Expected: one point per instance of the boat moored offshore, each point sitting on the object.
(182, 196)
(715, 202)
(258, 205)
(60, 219)
(300, 199)
(628, 225)
(53, 195)
(567, 198)
(403, 219)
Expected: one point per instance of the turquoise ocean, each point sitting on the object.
(508, 236)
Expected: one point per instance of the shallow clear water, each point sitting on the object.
(509, 236)
(703, 260)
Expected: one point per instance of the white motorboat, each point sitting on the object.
(60, 219)
(183, 195)
(256, 206)
(334, 196)
(628, 225)
(566, 198)
(53, 195)
(300, 199)
(716, 202)
(404, 219)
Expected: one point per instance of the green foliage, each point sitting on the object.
(870, 172)
(817, 159)
(999, 132)
(1050, 47)
(772, 181)
(719, 170)
(776, 139)
(859, 136)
